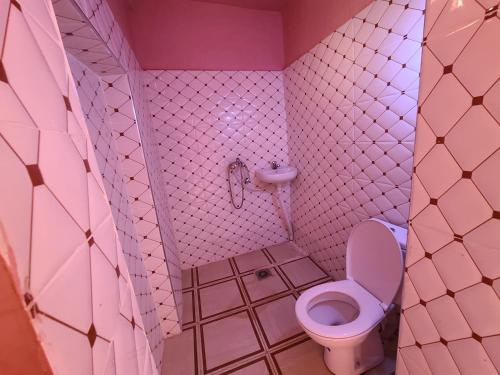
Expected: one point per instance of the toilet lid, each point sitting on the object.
(374, 260)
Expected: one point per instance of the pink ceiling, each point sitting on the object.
(228, 34)
(274, 5)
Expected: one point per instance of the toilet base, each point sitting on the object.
(353, 360)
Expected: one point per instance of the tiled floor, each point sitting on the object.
(237, 324)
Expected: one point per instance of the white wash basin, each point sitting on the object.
(279, 175)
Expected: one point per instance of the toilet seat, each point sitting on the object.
(327, 312)
(370, 310)
(374, 259)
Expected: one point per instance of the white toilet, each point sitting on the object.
(343, 316)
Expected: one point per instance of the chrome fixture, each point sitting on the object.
(237, 173)
(274, 165)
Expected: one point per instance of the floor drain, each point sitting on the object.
(263, 273)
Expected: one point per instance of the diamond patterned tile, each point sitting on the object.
(483, 321)
(67, 349)
(17, 197)
(486, 180)
(472, 67)
(421, 324)
(94, 105)
(438, 171)
(490, 103)
(456, 267)
(81, 40)
(414, 361)
(426, 280)
(448, 319)
(464, 197)
(152, 239)
(351, 120)
(482, 140)
(491, 345)
(93, 36)
(64, 286)
(107, 299)
(457, 38)
(202, 122)
(432, 236)
(405, 338)
(454, 214)
(439, 359)
(448, 93)
(470, 357)
(44, 235)
(453, 29)
(25, 81)
(71, 199)
(482, 245)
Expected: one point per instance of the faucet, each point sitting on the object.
(237, 163)
(274, 165)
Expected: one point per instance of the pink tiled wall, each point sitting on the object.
(351, 111)
(55, 211)
(203, 121)
(155, 241)
(108, 53)
(100, 126)
(451, 299)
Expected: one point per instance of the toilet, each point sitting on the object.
(343, 316)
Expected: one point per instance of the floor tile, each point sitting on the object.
(187, 307)
(302, 271)
(229, 339)
(277, 320)
(180, 355)
(259, 367)
(231, 345)
(283, 252)
(220, 297)
(300, 359)
(251, 261)
(214, 271)
(187, 279)
(259, 289)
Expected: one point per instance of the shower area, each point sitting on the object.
(144, 173)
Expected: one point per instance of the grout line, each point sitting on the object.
(267, 351)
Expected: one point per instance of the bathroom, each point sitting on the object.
(250, 187)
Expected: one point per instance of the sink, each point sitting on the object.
(279, 175)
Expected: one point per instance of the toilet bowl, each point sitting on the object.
(343, 316)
